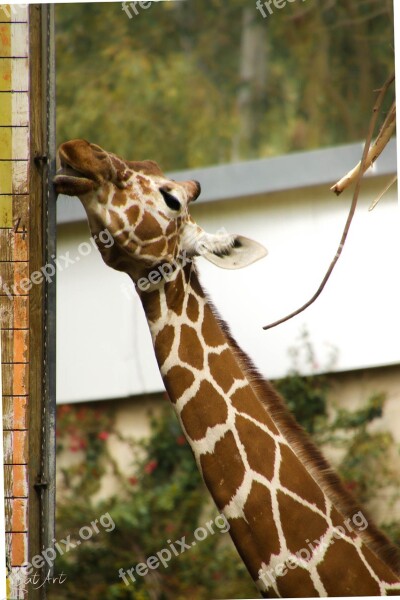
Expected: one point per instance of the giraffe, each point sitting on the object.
(298, 531)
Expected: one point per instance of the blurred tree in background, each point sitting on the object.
(195, 83)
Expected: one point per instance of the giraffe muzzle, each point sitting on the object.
(77, 172)
(71, 182)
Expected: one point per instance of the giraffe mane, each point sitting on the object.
(312, 458)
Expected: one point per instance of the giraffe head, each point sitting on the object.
(145, 212)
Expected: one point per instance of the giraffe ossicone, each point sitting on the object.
(293, 523)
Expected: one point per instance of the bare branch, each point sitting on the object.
(358, 178)
(380, 143)
(387, 187)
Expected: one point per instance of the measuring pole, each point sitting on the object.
(3, 558)
(27, 301)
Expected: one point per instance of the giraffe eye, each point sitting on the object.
(170, 200)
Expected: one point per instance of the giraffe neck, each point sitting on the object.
(284, 523)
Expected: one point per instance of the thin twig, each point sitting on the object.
(371, 129)
(376, 149)
(387, 187)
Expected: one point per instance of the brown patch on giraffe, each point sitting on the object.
(116, 222)
(261, 456)
(206, 409)
(223, 470)
(241, 535)
(178, 380)
(196, 287)
(172, 228)
(295, 579)
(340, 521)
(354, 579)
(258, 512)
(132, 214)
(163, 343)
(224, 369)
(245, 401)
(190, 349)
(174, 295)
(210, 329)
(172, 245)
(119, 198)
(152, 305)
(148, 167)
(192, 308)
(144, 184)
(188, 271)
(384, 572)
(148, 228)
(300, 522)
(154, 248)
(296, 478)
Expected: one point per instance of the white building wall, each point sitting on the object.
(358, 312)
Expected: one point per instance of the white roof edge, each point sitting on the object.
(265, 175)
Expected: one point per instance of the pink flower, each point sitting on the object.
(103, 435)
(150, 467)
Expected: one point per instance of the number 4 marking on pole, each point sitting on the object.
(23, 231)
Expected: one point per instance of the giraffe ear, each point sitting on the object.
(232, 251)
